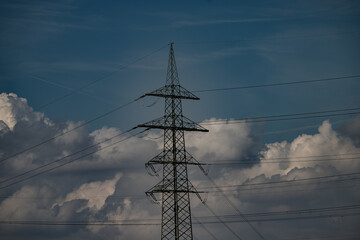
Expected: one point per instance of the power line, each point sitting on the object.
(297, 185)
(221, 221)
(77, 90)
(100, 79)
(208, 163)
(303, 127)
(67, 88)
(53, 162)
(68, 131)
(236, 209)
(242, 120)
(245, 219)
(338, 237)
(205, 228)
(214, 122)
(45, 165)
(58, 223)
(298, 211)
(288, 115)
(282, 117)
(268, 38)
(293, 188)
(152, 223)
(288, 218)
(278, 84)
(309, 156)
(283, 181)
(206, 90)
(267, 183)
(256, 214)
(63, 164)
(239, 162)
(290, 159)
(141, 197)
(91, 197)
(64, 157)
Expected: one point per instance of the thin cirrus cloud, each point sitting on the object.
(44, 18)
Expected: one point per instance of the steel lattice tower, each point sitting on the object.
(174, 186)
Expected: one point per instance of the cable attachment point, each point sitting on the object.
(152, 170)
(205, 168)
(152, 198)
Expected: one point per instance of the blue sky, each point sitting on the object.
(51, 48)
(72, 43)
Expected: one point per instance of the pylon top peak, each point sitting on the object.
(172, 74)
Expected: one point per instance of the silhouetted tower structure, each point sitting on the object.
(174, 186)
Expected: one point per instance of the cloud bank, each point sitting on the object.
(110, 184)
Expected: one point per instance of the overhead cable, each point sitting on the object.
(220, 188)
(335, 215)
(64, 157)
(236, 208)
(71, 161)
(210, 122)
(269, 38)
(291, 212)
(281, 117)
(247, 162)
(101, 78)
(68, 131)
(278, 84)
(308, 156)
(343, 208)
(77, 90)
(221, 221)
(152, 223)
(197, 221)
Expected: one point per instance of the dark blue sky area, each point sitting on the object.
(49, 48)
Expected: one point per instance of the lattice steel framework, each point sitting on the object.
(174, 186)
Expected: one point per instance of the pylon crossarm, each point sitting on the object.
(193, 125)
(168, 188)
(161, 123)
(152, 170)
(172, 91)
(176, 191)
(161, 186)
(193, 161)
(172, 162)
(152, 197)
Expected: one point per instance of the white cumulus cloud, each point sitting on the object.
(94, 192)
(222, 142)
(110, 185)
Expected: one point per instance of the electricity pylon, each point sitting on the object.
(175, 186)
